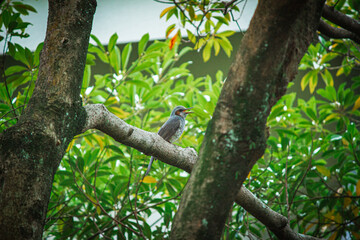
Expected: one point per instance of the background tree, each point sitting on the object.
(308, 172)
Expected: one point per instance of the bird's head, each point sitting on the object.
(180, 111)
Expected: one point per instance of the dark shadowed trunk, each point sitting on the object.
(267, 60)
(31, 150)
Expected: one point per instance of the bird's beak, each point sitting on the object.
(186, 110)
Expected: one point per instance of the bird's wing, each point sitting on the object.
(169, 128)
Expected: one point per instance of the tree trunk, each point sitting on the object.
(277, 38)
(31, 150)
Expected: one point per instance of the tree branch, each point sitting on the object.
(98, 117)
(151, 144)
(337, 33)
(341, 20)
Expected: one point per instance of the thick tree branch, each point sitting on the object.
(98, 117)
(337, 33)
(151, 144)
(341, 19)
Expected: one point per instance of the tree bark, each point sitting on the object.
(31, 150)
(276, 40)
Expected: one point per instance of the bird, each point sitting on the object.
(172, 128)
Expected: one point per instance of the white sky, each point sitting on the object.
(130, 19)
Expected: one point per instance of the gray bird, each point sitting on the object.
(172, 128)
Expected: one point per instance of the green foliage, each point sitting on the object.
(207, 18)
(309, 172)
(98, 184)
(18, 80)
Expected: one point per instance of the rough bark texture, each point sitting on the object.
(341, 19)
(31, 150)
(277, 38)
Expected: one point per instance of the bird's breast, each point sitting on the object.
(178, 132)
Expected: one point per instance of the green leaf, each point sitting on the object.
(37, 54)
(5, 15)
(191, 36)
(207, 50)
(184, 51)
(200, 112)
(222, 20)
(313, 82)
(328, 57)
(90, 59)
(14, 69)
(226, 45)
(227, 33)
(126, 55)
(163, 12)
(12, 49)
(310, 113)
(142, 44)
(29, 58)
(86, 78)
(143, 66)
(24, 6)
(93, 37)
(156, 46)
(191, 12)
(323, 170)
(207, 26)
(216, 46)
(116, 149)
(112, 42)
(327, 77)
(115, 59)
(100, 53)
(154, 91)
(169, 30)
(307, 78)
(21, 55)
(139, 83)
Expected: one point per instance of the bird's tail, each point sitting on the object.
(149, 166)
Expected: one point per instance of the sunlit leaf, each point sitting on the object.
(149, 179)
(357, 104)
(358, 188)
(93, 37)
(313, 82)
(119, 112)
(309, 78)
(323, 170)
(163, 12)
(207, 50)
(327, 77)
(170, 29)
(142, 43)
(173, 40)
(126, 55)
(191, 36)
